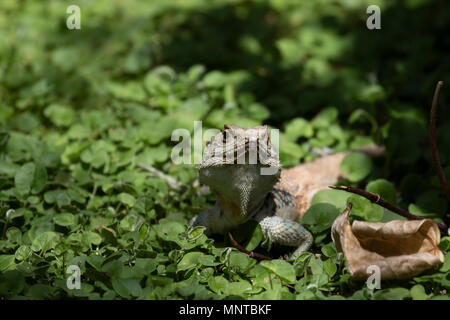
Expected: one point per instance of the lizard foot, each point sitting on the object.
(288, 233)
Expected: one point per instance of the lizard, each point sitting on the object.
(242, 168)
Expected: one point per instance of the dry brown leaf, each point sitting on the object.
(401, 249)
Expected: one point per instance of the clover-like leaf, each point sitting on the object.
(357, 165)
(65, 219)
(281, 268)
(45, 241)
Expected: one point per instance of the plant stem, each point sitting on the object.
(252, 254)
(434, 149)
(171, 182)
(376, 198)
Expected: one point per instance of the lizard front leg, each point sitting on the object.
(287, 232)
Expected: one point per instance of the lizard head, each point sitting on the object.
(241, 167)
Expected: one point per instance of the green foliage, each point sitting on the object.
(357, 165)
(80, 109)
(364, 209)
(384, 189)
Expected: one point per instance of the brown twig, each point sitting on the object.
(171, 182)
(375, 198)
(252, 254)
(434, 149)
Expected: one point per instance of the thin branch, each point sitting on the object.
(376, 198)
(434, 149)
(171, 182)
(252, 254)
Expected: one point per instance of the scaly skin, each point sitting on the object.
(244, 193)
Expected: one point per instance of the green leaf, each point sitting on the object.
(337, 198)
(41, 292)
(320, 215)
(6, 262)
(96, 261)
(189, 260)
(392, 294)
(14, 235)
(63, 199)
(168, 229)
(126, 287)
(389, 216)
(418, 293)
(60, 197)
(24, 178)
(429, 205)
(218, 284)
(90, 237)
(330, 267)
(4, 137)
(446, 266)
(445, 243)
(383, 188)
(45, 241)
(60, 115)
(238, 288)
(65, 219)
(195, 233)
(249, 234)
(365, 209)
(357, 165)
(329, 250)
(8, 168)
(317, 266)
(11, 283)
(297, 128)
(255, 238)
(39, 178)
(150, 156)
(127, 199)
(146, 264)
(325, 117)
(281, 268)
(114, 268)
(241, 261)
(207, 260)
(22, 252)
(144, 205)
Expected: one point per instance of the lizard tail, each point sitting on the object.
(304, 180)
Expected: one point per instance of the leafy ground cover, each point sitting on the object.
(81, 109)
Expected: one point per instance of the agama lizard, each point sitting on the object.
(242, 169)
